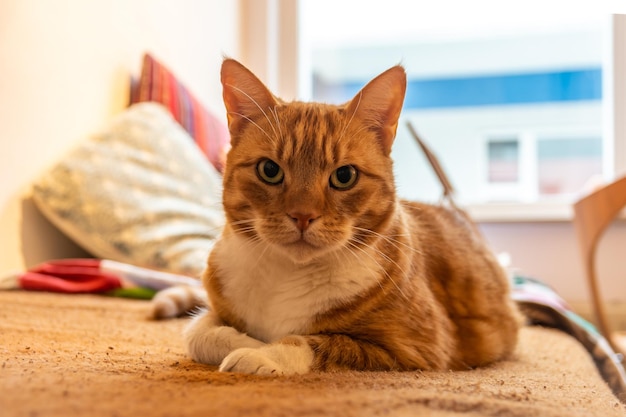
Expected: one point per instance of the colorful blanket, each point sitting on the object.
(544, 307)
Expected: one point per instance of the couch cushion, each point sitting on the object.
(138, 192)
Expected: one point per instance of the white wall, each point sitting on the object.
(549, 251)
(64, 72)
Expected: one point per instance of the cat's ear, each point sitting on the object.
(379, 104)
(245, 96)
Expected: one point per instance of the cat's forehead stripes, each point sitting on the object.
(311, 134)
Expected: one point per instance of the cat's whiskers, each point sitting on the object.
(252, 242)
(361, 245)
(244, 221)
(373, 273)
(262, 254)
(257, 105)
(243, 229)
(388, 238)
(354, 134)
(254, 123)
(248, 225)
(386, 273)
(354, 240)
(358, 131)
(275, 114)
(345, 128)
(215, 230)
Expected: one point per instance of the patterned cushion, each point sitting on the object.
(139, 192)
(159, 84)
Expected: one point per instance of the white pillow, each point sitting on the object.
(140, 192)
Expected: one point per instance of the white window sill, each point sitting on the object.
(521, 212)
(524, 212)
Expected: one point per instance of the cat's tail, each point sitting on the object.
(448, 189)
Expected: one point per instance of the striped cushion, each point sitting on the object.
(159, 84)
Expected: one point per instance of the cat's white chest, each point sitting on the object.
(276, 297)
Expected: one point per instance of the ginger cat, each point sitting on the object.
(321, 266)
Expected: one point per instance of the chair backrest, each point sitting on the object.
(592, 215)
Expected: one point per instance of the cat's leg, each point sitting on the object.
(209, 341)
(487, 339)
(292, 355)
(301, 354)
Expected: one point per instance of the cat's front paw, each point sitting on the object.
(209, 343)
(294, 357)
(250, 361)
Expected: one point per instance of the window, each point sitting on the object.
(506, 96)
(541, 165)
(566, 164)
(504, 160)
(543, 86)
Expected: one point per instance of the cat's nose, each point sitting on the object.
(303, 220)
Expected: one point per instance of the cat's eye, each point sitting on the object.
(270, 171)
(344, 177)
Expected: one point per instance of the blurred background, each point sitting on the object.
(523, 102)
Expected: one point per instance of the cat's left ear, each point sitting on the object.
(379, 104)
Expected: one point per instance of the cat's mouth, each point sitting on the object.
(300, 246)
(302, 243)
(302, 250)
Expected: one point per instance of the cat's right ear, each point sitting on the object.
(245, 96)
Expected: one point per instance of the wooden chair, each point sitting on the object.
(592, 215)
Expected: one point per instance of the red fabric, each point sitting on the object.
(69, 276)
(159, 84)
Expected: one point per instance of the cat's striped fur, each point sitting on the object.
(321, 266)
